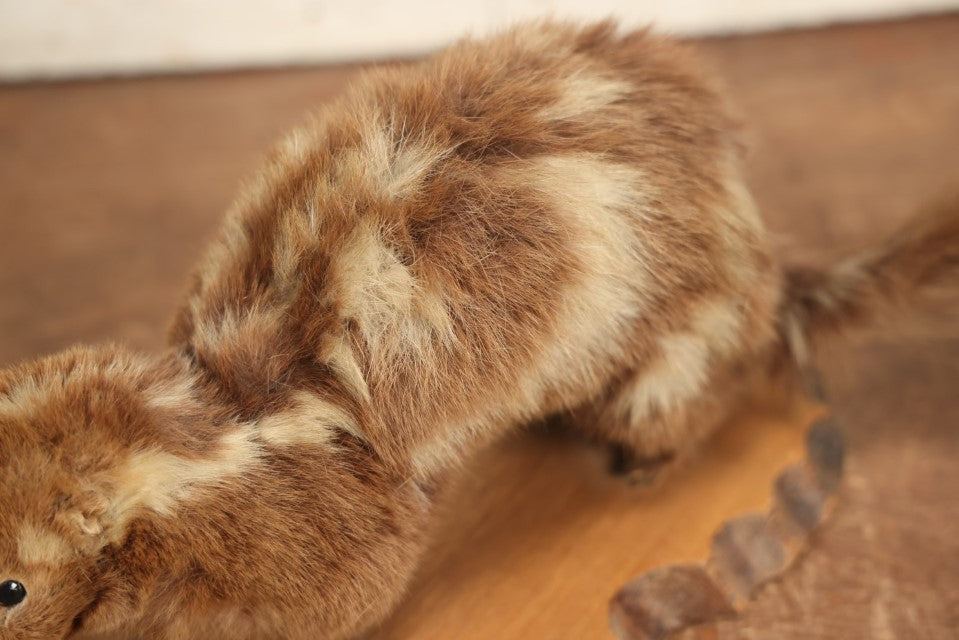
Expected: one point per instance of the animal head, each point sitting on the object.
(67, 423)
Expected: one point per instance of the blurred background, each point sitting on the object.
(57, 38)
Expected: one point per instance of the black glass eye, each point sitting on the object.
(11, 593)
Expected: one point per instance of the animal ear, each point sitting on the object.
(83, 515)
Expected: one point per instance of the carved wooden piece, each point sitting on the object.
(746, 552)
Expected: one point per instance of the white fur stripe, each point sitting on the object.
(311, 420)
(682, 368)
(583, 93)
(41, 547)
(158, 481)
(393, 312)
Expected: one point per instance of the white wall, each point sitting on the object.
(53, 38)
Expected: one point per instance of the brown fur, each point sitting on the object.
(921, 256)
(549, 221)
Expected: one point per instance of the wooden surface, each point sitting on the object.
(109, 190)
(540, 535)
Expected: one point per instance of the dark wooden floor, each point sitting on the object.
(108, 191)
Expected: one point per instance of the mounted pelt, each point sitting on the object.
(549, 221)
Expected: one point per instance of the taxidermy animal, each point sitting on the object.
(550, 221)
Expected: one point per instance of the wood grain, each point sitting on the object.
(109, 190)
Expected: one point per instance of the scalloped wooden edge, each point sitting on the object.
(746, 552)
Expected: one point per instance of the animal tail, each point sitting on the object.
(921, 257)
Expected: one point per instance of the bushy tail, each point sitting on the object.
(922, 256)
